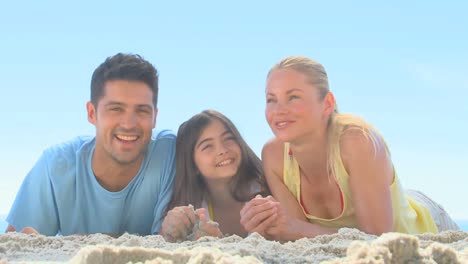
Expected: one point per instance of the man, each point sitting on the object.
(118, 181)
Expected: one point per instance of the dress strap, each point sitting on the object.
(210, 210)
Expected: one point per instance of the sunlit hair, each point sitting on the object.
(338, 123)
(189, 186)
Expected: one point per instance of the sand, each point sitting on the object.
(347, 246)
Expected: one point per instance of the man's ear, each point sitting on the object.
(329, 104)
(91, 113)
(155, 115)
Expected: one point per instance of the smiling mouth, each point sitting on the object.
(225, 162)
(127, 138)
(282, 124)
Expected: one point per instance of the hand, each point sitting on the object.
(204, 226)
(285, 227)
(29, 230)
(178, 223)
(259, 214)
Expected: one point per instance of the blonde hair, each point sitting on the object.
(338, 123)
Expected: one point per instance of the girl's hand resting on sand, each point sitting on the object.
(178, 223)
(204, 227)
(184, 223)
(259, 214)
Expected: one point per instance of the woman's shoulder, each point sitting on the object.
(273, 154)
(273, 148)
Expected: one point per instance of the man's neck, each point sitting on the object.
(112, 175)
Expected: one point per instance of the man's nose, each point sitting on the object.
(129, 120)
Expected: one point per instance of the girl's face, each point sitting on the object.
(293, 106)
(217, 154)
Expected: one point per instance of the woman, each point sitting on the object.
(329, 170)
(216, 172)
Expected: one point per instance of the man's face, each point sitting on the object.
(124, 118)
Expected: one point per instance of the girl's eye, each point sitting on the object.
(205, 147)
(230, 139)
(293, 97)
(270, 100)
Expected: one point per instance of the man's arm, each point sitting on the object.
(34, 207)
(26, 230)
(166, 183)
(10, 228)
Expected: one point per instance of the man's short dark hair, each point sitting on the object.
(127, 67)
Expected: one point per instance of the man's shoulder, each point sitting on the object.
(163, 139)
(70, 147)
(162, 146)
(63, 158)
(163, 134)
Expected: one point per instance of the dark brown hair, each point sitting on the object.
(189, 186)
(127, 67)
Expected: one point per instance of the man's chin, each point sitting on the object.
(127, 159)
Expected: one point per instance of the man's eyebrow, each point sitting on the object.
(114, 103)
(144, 105)
(117, 103)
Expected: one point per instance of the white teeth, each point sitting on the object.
(225, 162)
(281, 124)
(127, 138)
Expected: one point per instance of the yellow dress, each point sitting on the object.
(408, 215)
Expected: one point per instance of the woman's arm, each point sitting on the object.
(289, 221)
(371, 173)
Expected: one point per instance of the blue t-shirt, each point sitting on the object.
(61, 195)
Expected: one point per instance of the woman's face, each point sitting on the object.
(293, 106)
(217, 154)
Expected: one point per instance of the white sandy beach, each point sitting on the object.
(347, 246)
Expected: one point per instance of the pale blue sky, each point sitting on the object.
(401, 65)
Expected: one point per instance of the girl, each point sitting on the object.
(330, 170)
(216, 172)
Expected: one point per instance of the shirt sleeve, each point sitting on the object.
(165, 194)
(34, 205)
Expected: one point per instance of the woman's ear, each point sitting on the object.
(329, 104)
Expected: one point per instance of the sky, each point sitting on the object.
(401, 65)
